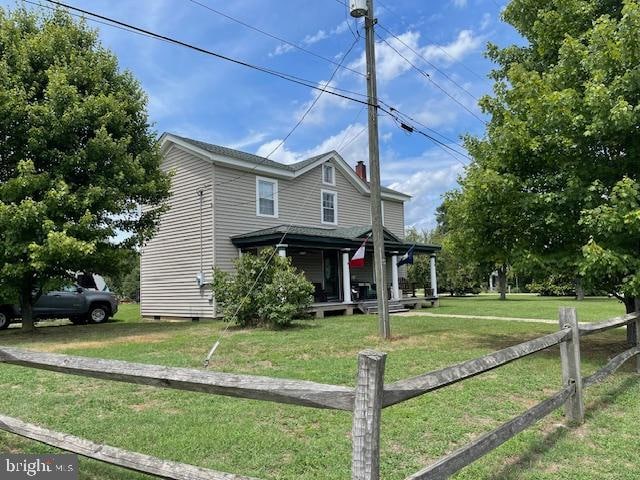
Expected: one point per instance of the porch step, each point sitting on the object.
(371, 306)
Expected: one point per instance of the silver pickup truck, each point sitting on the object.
(87, 300)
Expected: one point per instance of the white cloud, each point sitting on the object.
(341, 28)
(281, 50)
(327, 103)
(280, 155)
(426, 188)
(251, 139)
(351, 143)
(486, 21)
(435, 112)
(456, 50)
(390, 65)
(460, 3)
(315, 38)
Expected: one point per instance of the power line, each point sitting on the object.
(288, 77)
(439, 47)
(441, 146)
(408, 128)
(354, 138)
(275, 37)
(106, 23)
(344, 137)
(300, 120)
(428, 77)
(275, 73)
(315, 100)
(431, 64)
(411, 119)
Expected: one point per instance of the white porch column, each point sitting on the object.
(282, 249)
(434, 277)
(395, 285)
(346, 277)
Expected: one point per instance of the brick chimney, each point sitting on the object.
(361, 170)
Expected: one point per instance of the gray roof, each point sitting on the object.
(350, 235)
(249, 157)
(258, 160)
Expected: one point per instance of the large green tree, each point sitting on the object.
(565, 118)
(485, 221)
(456, 274)
(77, 156)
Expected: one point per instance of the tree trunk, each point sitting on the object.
(579, 289)
(502, 282)
(631, 305)
(26, 309)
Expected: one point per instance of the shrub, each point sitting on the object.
(264, 290)
(554, 286)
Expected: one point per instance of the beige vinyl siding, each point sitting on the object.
(299, 202)
(394, 217)
(171, 260)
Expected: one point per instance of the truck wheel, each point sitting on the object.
(98, 314)
(4, 320)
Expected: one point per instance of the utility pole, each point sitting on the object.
(374, 166)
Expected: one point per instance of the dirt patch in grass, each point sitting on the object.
(88, 344)
(154, 405)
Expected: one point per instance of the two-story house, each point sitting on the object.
(226, 203)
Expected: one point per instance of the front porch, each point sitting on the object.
(323, 255)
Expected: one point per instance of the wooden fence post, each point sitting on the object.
(367, 414)
(570, 359)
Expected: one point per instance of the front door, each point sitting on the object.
(331, 275)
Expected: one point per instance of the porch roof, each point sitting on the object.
(310, 237)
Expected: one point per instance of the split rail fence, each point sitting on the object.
(366, 401)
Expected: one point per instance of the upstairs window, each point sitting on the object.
(266, 197)
(328, 174)
(329, 207)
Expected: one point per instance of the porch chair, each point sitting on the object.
(406, 287)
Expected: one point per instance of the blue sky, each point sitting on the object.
(212, 100)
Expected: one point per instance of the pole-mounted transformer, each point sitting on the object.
(358, 8)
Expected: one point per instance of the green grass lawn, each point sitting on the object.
(531, 306)
(273, 441)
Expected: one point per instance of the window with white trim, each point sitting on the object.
(266, 197)
(328, 174)
(329, 207)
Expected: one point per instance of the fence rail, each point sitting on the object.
(412, 387)
(591, 328)
(366, 401)
(296, 392)
(115, 456)
(571, 395)
(610, 368)
(489, 441)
